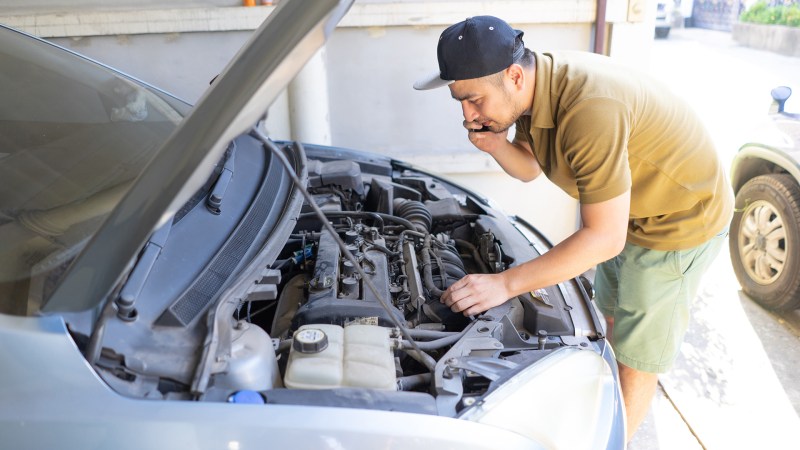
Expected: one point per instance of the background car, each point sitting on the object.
(663, 19)
(170, 277)
(765, 232)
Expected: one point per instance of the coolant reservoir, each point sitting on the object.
(329, 356)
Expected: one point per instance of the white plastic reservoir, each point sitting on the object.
(329, 356)
(252, 364)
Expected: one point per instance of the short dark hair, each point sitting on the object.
(527, 60)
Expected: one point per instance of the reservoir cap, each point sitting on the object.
(251, 397)
(310, 340)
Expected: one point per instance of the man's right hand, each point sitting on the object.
(486, 141)
(516, 158)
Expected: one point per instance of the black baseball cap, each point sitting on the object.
(474, 48)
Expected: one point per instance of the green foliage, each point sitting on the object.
(764, 13)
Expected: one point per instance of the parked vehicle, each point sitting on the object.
(663, 19)
(765, 232)
(171, 277)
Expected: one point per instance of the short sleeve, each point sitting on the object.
(594, 138)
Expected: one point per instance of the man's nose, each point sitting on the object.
(470, 113)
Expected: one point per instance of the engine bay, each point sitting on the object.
(366, 329)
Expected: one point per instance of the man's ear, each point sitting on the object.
(516, 74)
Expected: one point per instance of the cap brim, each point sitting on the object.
(431, 81)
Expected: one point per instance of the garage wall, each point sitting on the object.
(382, 65)
(368, 66)
(20, 6)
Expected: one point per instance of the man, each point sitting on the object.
(654, 201)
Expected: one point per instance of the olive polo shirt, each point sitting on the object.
(598, 129)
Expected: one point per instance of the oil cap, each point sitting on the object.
(310, 340)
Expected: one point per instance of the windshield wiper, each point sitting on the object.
(214, 201)
(133, 287)
(126, 300)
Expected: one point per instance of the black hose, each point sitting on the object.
(427, 271)
(449, 264)
(384, 250)
(430, 334)
(421, 357)
(438, 343)
(413, 381)
(476, 255)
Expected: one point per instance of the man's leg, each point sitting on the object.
(638, 389)
(645, 296)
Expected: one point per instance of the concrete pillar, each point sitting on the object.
(278, 125)
(309, 109)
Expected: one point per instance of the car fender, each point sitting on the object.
(758, 159)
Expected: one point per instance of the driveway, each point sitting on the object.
(734, 384)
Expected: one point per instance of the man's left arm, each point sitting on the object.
(601, 237)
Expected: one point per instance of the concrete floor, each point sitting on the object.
(734, 384)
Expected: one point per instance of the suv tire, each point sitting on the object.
(765, 240)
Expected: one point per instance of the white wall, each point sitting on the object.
(370, 63)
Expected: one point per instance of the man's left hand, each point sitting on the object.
(476, 293)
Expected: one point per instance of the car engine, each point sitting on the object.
(350, 315)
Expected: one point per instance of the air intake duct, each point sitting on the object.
(415, 212)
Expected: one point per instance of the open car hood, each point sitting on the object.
(264, 66)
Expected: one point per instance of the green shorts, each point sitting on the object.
(648, 293)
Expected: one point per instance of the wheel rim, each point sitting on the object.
(762, 242)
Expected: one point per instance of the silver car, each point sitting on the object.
(171, 277)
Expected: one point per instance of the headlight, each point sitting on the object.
(567, 400)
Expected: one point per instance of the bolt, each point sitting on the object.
(468, 401)
(542, 334)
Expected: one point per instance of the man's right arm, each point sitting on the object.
(516, 158)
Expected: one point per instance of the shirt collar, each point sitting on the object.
(542, 111)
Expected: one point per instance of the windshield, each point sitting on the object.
(73, 137)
